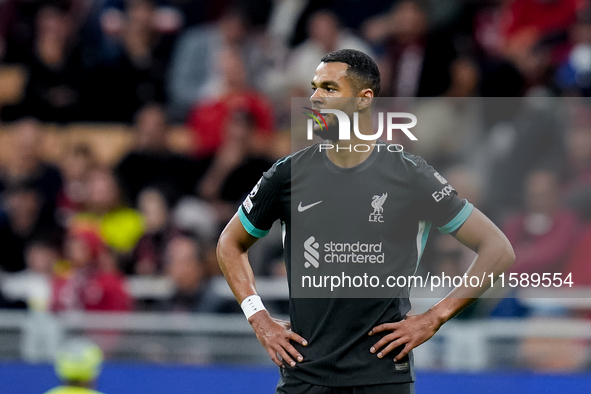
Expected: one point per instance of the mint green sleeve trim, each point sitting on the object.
(252, 230)
(458, 220)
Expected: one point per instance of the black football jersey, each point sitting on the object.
(376, 215)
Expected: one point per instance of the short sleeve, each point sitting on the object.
(438, 200)
(262, 206)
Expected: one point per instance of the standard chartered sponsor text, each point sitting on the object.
(356, 252)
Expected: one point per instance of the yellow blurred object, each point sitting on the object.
(79, 360)
(71, 390)
(78, 364)
(120, 229)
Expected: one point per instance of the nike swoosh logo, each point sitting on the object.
(302, 209)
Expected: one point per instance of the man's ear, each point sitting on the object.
(364, 99)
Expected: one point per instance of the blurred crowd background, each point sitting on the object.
(131, 131)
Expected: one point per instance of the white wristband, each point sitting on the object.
(251, 305)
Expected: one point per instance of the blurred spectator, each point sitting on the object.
(55, 90)
(579, 262)
(349, 12)
(198, 12)
(197, 69)
(42, 255)
(577, 189)
(464, 78)
(23, 207)
(89, 280)
(236, 167)
(26, 165)
(148, 255)
(535, 39)
(208, 119)
(352, 15)
(499, 77)
(143, 37)
(163, 17)
(151, 163)
(119, 227)
(543, 234)
(196, 216)
(522, 135)
(488, 24)
(185, 267)
(416, 62)
(448, 126)
(534, 62)
(32, 287)
(574, 74)
(325, 35)
(17, 25)
(17, 21)
(578, 164)
(530, 21)
(283, 19)
(76, 168)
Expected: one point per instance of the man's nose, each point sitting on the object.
(316, 98)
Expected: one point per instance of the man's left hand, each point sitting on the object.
(411, 332)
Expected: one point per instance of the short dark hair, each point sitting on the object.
(362, 71)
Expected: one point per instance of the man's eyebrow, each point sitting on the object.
(325, 83)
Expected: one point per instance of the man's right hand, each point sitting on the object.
(274, 335)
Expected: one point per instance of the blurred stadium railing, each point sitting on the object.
(201, 339)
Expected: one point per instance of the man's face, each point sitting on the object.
(182, 263)
(331, 89)
(151, 129)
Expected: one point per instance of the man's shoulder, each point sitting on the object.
(284, 165)
(401, 159)
(308, 151)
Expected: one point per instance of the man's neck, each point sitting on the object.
(344, 154)
(351, 153)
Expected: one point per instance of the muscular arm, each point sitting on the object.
(233, 259)
(495, 255)
(275, 335)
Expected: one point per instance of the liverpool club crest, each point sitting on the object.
(377, 203)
